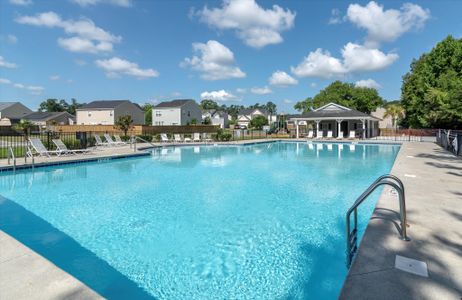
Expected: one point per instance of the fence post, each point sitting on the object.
(48, 139)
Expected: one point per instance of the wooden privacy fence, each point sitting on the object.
(137, 129)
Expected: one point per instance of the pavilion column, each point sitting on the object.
(364, 128)
(339, 123)
(317, 127)
(297, 128)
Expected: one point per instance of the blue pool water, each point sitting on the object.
(261, 221)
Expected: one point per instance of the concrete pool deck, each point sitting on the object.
(433, 181)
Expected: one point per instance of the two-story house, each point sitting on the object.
(217, 117)
(176, 112)
(106, 112)
(246, 115)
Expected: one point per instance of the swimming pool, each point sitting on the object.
(261, 221)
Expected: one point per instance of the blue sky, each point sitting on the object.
(234, 51)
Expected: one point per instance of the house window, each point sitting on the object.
(89, 114)
(189, 113)
(329, 126)
(158, 113)
(111, 113)
(355, 126)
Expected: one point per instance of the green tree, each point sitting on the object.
(395, 111)
(73, 106)
(24, 126)
(431, 93)
(193, 121)
(209, 104)
(124, 123)
(258, 122)
(53, 105)
(147, 108)
(207, 121)
(304, 105)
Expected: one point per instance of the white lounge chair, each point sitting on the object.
(118, 140)
(206, 138)
(319, 134)
(352, 134)
(99, 142)
(197, 137)
(310, 134)
(110, 141)
(187, 140)
(329, 134)
(62, 149)
(177, 138)
(40, 149)
(164, 138)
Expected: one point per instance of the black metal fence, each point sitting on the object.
(450, 140)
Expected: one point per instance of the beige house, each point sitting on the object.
(385, 122)
(12, 112)
(106, 112)
(176, 112)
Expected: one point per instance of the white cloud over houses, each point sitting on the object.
(6, 64)
(220, 96)
(214, 61)
(369, 83)
(261, 90)
(355, 58)
(386, 25)
(115, 67)
(32, 89)
(21, 2)
(255, 25)
(123, 3)
(282, 79)
(85, 35)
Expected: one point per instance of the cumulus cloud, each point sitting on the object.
(255, 25)
(86, 36)
(355, 58)
(282, 79)
(6, 64)
(21, 2)
(123, 3)
(114, 67)
(32, 89)
(220, 96)
(386, 25)
(214, 60)
(54, 77)
(261, 90)
(369, 83)
(241, 90)
(335, 17)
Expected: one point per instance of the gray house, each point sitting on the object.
(106, 112)
(50, 118)
(13, 112)
(176, 112)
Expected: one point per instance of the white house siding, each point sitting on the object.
(132, 110)
(166, 116)
(95, 117)
(189, 111)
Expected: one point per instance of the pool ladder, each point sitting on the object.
(11, 156)
(352, 235)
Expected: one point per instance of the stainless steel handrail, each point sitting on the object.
(351, 238)
(133, 141)
(11, 156)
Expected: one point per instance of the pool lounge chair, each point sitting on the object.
(206, 138)
(197, 137)
(177, 138)
(310, 134)
(99, 142)
(110, 141)
(319, 134)
(164, 138)
(352, 134)
(40, 149)
(118, 140)
(329, 134)
(62, 149)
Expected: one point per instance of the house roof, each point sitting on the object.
(334, 111)
(104, 104)
(248, 111)
(4, 105)
(214, 112)
(173, 103)
(46, 116)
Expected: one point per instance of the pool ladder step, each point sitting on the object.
(352, 234)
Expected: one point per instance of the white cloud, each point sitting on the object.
(335, 17)
(355, 58)
(287, 101)
(77, 44)
(124, 3)
(5, 64)
(261, 90)
(369, 83)
(220, 96)
(256, 26)
(386, 25)
(11, 39)
(33, 89)
(21, 2)
(214, 60)
(115, 67)
(282, 79)
(54, 77)
(86, 36)
(241, 90)
(80, 62)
